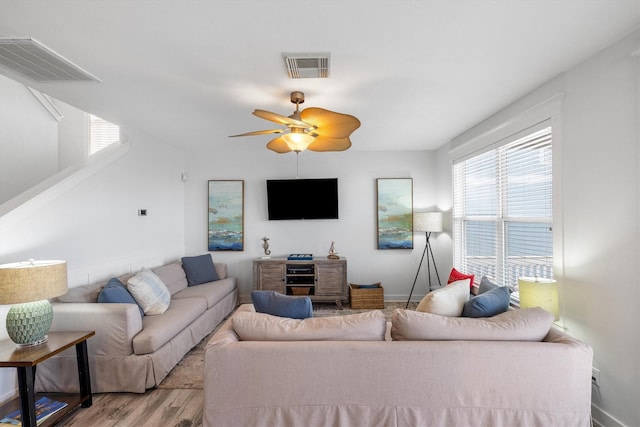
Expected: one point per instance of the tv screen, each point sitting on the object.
(302, 198)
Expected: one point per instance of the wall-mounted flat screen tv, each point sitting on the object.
(302, 198)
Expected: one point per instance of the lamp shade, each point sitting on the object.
(537, 292)
(297, 140)
(427, 221)
(32, 281)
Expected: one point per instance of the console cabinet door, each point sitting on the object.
(270, 277)
(330, 279)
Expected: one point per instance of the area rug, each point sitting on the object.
(187, 374)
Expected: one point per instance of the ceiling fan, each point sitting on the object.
(313, 128)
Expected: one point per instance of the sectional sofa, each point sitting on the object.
(430, 370)
(131, 352)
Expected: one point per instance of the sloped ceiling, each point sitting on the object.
(416, 73)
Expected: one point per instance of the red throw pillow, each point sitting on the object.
(455, 275)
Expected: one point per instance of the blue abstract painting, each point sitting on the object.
(395, 213)
(226, 215)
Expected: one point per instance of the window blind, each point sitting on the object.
(101, 133)
(502, 211)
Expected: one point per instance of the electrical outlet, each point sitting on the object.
(595, 376)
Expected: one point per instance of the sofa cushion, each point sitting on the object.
(446, 301)
(212, 292)
(173, 276)
(524, 324)
(199, 269)
(115, 292)
(159, 330)
(277, 304)
(488, 304)
(149, 292)
(367, 326)
(82, 293)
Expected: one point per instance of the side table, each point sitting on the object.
(26, 359)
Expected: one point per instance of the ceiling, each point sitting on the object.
(416, 73)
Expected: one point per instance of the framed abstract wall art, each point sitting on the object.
(395, 213)
(226, 215)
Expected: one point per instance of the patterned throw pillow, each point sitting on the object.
(149, 292)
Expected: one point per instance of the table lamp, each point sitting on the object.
(427, 222)
(28, 285)
(539, 292)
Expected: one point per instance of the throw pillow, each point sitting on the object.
(367, 326)
(277, 304)
(488, 304)
(199, 269)
(524, 324)
(446, 301)
(149, 292)
(115, 292)
(486, 284)
(455, 275)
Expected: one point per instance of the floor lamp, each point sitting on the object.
(428, 222)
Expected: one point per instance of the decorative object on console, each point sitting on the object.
(265, 246)
(395, 213)
(427, 222)
(332, 251)
(29, 285)
(226, 215)
(313, 128)
(300, 257)
(539, 292)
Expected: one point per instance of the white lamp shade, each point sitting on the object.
(537, 292)
(427, 221)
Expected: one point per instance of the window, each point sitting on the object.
(101, 133)
(502, 210)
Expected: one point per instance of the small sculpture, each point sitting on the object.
(265, 246)
(332, 252)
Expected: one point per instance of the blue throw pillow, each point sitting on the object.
(488, 304)
(115, 292)
(199, 269)
(277, 304)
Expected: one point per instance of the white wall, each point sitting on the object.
(354, 233)
(28, 140)
(598, 213)
(94, 225)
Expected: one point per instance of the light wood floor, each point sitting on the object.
(157, 407)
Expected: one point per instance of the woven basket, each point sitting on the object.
(370, 298)
(300, 290)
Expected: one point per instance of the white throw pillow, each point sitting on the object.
(150, 292)
(446, 301)
(367, 326)
(524, 324)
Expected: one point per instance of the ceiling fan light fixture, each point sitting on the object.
(297, 140)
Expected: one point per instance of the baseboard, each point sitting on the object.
(7, 396)
(601, 418)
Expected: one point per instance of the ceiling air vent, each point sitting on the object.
(31, 59)
(307, 65)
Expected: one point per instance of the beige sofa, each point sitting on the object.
(395, 383)
(130, 353)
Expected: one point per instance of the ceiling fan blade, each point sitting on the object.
(329, 123)
(278, 145)
(323, 143)
(259, 132)
(279, 118)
